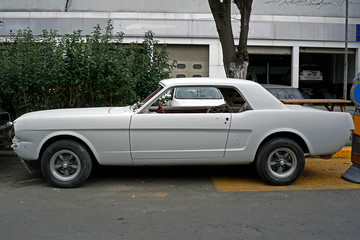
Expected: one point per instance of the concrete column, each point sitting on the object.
(295, 66)
(216, 67)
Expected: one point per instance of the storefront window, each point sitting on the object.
(270, 69)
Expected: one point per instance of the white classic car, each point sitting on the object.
(251, 127)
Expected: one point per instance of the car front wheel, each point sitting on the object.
(66, 164)
(280, 161)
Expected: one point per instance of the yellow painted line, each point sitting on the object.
(318, 174)
(345, 152)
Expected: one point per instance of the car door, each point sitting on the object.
(179, 136)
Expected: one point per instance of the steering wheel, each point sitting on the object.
(160, 108)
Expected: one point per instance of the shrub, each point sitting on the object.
(52, 71)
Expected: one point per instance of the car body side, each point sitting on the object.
(108, 132)
(105, 134)
(266, 124)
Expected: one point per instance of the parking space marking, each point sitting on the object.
(149, 194)
(319, 174)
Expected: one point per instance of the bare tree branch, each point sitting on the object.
(312, 3)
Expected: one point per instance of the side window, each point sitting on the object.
(199, 93)
(197, 99)
(235, 100)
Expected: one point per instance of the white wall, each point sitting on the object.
(260, 7)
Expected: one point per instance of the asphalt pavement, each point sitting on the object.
(169, 203)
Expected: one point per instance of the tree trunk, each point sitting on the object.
(235, 59)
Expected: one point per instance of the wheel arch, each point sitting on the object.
(68, 136)
(286, 134)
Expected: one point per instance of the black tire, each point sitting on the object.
(280, 161)
(66, 164)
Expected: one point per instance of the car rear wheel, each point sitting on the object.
(280, 161)
(66, 164)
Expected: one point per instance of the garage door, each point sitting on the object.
(192, 60)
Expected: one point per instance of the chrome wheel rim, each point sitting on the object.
(65, 165)
(282, 162)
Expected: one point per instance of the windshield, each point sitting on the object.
(139, 104)
(151, 95)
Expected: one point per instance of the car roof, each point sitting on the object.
(205, 81)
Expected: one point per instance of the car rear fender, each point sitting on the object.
(292, 134)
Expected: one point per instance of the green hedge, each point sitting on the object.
(52, 71)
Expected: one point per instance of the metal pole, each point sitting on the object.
(346, 49)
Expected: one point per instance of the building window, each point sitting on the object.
(181, 66)
(180, 76)
(270, 69)
(197, 66)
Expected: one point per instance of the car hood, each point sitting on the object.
(64, 112)
(74, 118)
(74, 112)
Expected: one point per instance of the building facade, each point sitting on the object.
(282, 39)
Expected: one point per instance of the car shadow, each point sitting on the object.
(170, 173)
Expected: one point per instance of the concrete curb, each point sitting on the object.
(7, 153)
